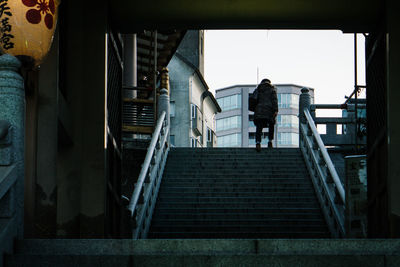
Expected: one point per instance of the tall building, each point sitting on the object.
(235, 126)
(193, 106)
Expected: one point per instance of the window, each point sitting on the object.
(193, 142)
(172, 140)
(209, 135)
(230, 102)
(290, 121)
(288, 101)
(229, 123)
(172, 109)
(252, 138)
(193, 112)
(231, 140)
(288, 139)
(251, 121)
(196, 119)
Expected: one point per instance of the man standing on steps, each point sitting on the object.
(266, 111)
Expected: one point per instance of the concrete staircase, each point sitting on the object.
(222, 193)
(237, 193)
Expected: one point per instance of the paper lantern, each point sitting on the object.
(27, 27)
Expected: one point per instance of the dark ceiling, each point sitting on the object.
(346, 15)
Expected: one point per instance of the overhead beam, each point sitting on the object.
(355, 16)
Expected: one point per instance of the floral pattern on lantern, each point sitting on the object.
(27, 27)
(34, 15)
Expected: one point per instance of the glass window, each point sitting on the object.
(193, 142)
(288, 139)
(231, 140)
(230, 102)
(290, 121)
(209, 135)
(172, 109)
(264, 138)
(288, 101)
(229, 123)
(172, 140)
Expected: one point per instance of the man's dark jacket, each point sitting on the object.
(267, 103)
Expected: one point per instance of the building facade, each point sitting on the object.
(235, 126)
(193, 106)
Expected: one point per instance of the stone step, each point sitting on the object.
(237, 210)
(277, 189)
(233, 171)
(236, 178)
(165, 215)
(234, 228)
(237, 160)
(198, 205)
(239, 235)
(236, 185)
(232, 150)
(252, 199)
(298, 194)
(261, 251)
(244, 222)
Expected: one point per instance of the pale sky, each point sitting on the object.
(323, 60)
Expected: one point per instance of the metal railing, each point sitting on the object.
(138, 113)
(144, 196)
(329, 188)
(350, 136)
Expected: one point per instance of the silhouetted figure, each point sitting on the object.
(266, 111)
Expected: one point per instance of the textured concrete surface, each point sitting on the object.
(210, 246)
(225, 252)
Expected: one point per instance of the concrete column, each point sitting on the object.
(12, 110)
(130, 63)
(46, 170)
(393, 98)
(305, 102)
(163, 104)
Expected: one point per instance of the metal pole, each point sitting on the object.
(356, 89)
(155, 76)
(134, 60)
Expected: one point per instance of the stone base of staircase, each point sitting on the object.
(221, 252)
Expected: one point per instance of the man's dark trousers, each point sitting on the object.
(264, 123)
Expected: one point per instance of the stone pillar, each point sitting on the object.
(130, 64)
(304, 103)
(45, 221)
(12, 110)
(163, 104)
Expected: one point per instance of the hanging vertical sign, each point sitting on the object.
(27, 27)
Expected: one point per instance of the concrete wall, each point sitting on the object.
(190, 48)
(393, 96)
(66, 188)
(179, 74)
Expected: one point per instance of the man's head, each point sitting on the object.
(266, 81)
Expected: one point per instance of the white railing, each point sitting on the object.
(144, 196)
(329, 188)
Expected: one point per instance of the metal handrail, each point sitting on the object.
(145, 168)
(328, 187)
(325, 155)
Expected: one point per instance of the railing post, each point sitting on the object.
(356, 197)
(304, 103)
(12, 111)
(163, 104)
